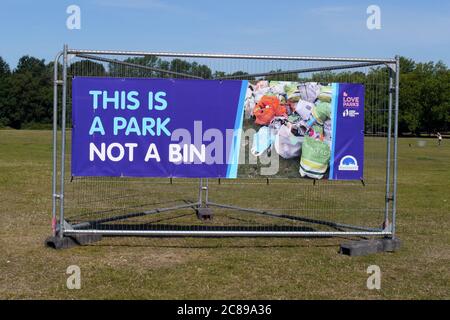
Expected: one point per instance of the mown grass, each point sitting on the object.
(158, 268)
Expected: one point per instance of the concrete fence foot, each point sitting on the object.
(365, 247)
(71, 241)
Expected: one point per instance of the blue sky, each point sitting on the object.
(416, 29)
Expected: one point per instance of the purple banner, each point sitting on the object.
(212, 128)
(347, 155)
(155, 127)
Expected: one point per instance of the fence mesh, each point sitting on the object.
(297, 204)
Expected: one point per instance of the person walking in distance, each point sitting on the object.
(439, 136)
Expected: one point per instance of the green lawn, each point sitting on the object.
(221, 268)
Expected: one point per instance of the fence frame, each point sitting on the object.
(61, 228)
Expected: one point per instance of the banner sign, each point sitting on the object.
(216, 129)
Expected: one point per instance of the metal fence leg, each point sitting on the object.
(394, 196)
(203, 210)
(200, 192)
(55, 142)
(63, 143)
(206, 192)
(388, 156)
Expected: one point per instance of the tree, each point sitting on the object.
(424, 97)
(86, 68)
(4, 68)
(121, 70)
(5, 73)
(29, 96)
(240, 75)
(31, 65)
(201, 70)
(187, 68)
(26, 93)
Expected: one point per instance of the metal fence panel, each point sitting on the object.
(244, 206)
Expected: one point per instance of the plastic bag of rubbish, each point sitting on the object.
(287, 145)
(325, 93)
(315, 158)
(309, 91)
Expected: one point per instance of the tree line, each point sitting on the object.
(26, 92)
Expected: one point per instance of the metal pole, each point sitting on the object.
(226, 56)
(388, 157)
(200, 191)
(206, 191)
(134, 65)
(55, 133)
(394, 196)
(294, 218)
(304, 70)
(218, 233)
(133, 215)
(63, 143)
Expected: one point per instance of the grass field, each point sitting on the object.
(147, 268)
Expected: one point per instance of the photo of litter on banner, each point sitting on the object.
(314, 130)
(217, 128)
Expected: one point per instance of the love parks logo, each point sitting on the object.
(349, 101)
